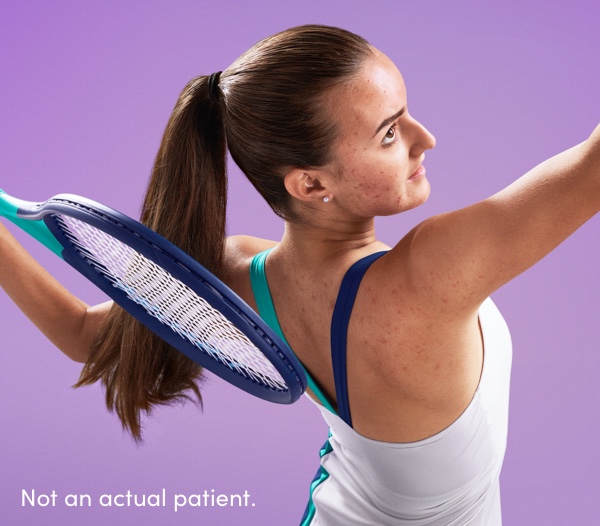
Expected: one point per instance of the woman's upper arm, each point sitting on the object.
(93, 323)
(461, 257)
(65, 320)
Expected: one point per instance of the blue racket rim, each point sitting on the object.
(189, 272)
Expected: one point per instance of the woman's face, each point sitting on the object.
(378, 154)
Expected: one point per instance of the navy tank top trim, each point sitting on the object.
(339, 330)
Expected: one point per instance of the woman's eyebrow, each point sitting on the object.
(389, 120)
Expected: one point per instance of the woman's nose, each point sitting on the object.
(423, 139)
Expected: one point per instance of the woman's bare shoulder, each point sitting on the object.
(240, 248)
(239, 251)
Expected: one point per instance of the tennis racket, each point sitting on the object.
(165, 289)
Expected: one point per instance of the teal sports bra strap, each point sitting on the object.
(266, 310)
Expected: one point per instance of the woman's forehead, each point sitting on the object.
(377, 92)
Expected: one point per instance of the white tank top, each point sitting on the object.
(451, 478)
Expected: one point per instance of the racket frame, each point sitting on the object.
(182, 267)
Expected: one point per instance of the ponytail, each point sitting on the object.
(272, 103)
(186, 203)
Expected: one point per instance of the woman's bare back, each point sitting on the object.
(410, 372)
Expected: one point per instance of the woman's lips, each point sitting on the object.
(418, 174)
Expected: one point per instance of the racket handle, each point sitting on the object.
(9, 208)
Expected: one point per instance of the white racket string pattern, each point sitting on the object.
(170, 301)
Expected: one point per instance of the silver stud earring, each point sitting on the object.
(326, 199)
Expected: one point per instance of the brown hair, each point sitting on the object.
(269, 112)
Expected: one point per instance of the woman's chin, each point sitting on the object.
(419, 193)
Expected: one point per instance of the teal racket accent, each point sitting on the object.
(9, 208)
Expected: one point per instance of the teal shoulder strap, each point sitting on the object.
(266, 310)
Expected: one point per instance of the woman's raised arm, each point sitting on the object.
(66, 321)
(461, 257)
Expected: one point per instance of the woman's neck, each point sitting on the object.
(318, 243)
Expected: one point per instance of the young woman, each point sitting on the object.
(409, 361)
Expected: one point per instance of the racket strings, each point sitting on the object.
(171, 302)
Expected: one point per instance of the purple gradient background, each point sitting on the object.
(85, 92)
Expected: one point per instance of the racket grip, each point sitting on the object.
(9, 208)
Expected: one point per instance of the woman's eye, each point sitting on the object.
(390, 136)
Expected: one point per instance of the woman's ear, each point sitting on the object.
(305, 185)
